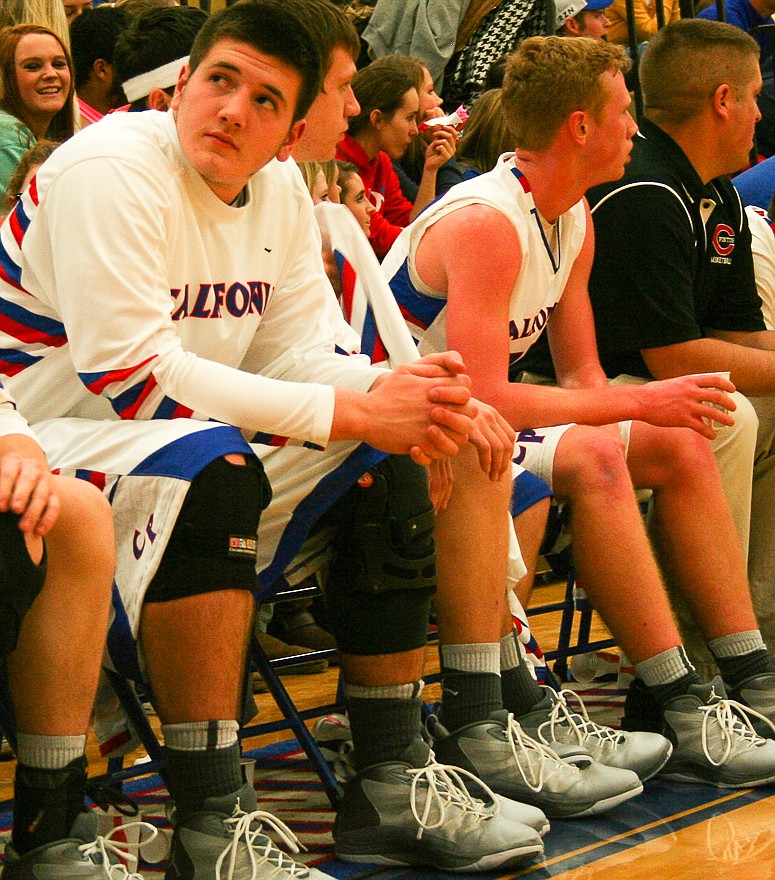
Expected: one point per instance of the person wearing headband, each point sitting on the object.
(150, 54)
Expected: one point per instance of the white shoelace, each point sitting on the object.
(105, 846)
(522, 745)
(578, 722)
(265, 850)
(733, 728)
(446, 788)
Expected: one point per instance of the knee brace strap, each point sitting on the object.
(399, 552)
(384, 569)
(214, 540)
(21, 580)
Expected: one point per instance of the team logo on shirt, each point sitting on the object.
(723, 243)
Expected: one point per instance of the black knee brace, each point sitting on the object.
(384, 570)
(20, 581)
(213, 542)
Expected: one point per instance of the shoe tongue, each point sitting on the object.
(711, 692)
(85, 826)
(227, 802)
(501, 716)
(416, 754)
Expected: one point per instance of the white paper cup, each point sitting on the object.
(723, 374)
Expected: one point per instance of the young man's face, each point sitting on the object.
(327, 117)
(235, 114)
(593, 24)
(609, 140)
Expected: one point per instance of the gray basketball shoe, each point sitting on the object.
(714, 742)
(554, 723)
(84, 855)
(227, 838)
(758, 693)
(417, 812)
(502, 755)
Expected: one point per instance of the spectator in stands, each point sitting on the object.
(490, 30)
(757, 184)
(411, 166)
(381, 132)
(139, 7)
(645, 19)
(151, 52)
(93, 38)
(28, 166)
(487, 135)
(74, 8)
(36, 84)
(578, 18)
(354, 196)
(747, 15)
(49, 13)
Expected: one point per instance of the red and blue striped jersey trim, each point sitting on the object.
(416, 307)
(371, 343)
(524, 182)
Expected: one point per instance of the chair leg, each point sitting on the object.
(295, 722)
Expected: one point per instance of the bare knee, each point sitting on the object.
(673, 455)
(83, 532)
(590, 460)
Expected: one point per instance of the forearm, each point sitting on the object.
(534, 406)
(751, 363)
(426, 192)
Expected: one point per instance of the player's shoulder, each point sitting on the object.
(143, 140)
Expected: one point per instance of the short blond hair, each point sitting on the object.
(548, 78)
(684, 64)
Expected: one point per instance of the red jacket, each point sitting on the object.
(379, 177)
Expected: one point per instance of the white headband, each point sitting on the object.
(160, 78)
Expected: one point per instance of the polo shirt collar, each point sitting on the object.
(691, 180)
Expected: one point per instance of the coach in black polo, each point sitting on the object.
(672, 286)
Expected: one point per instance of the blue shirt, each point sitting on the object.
(741, 14)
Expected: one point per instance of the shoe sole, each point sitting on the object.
(561, 810)
(490, 862)
(697, 779)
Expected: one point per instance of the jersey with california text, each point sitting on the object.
(541, 280)
(173, 304)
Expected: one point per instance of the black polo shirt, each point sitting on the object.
(672, 256)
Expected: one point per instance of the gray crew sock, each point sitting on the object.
(384, 721)
(471, 683)
(520, 690)
(740, 656)
(203, 759)
(668, 674)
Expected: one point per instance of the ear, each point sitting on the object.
(179, 87)
(572, 27)
(294, 136)
(158, 100)
(103, 70)
(375, 118)
(721, 100)
(578, 127)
